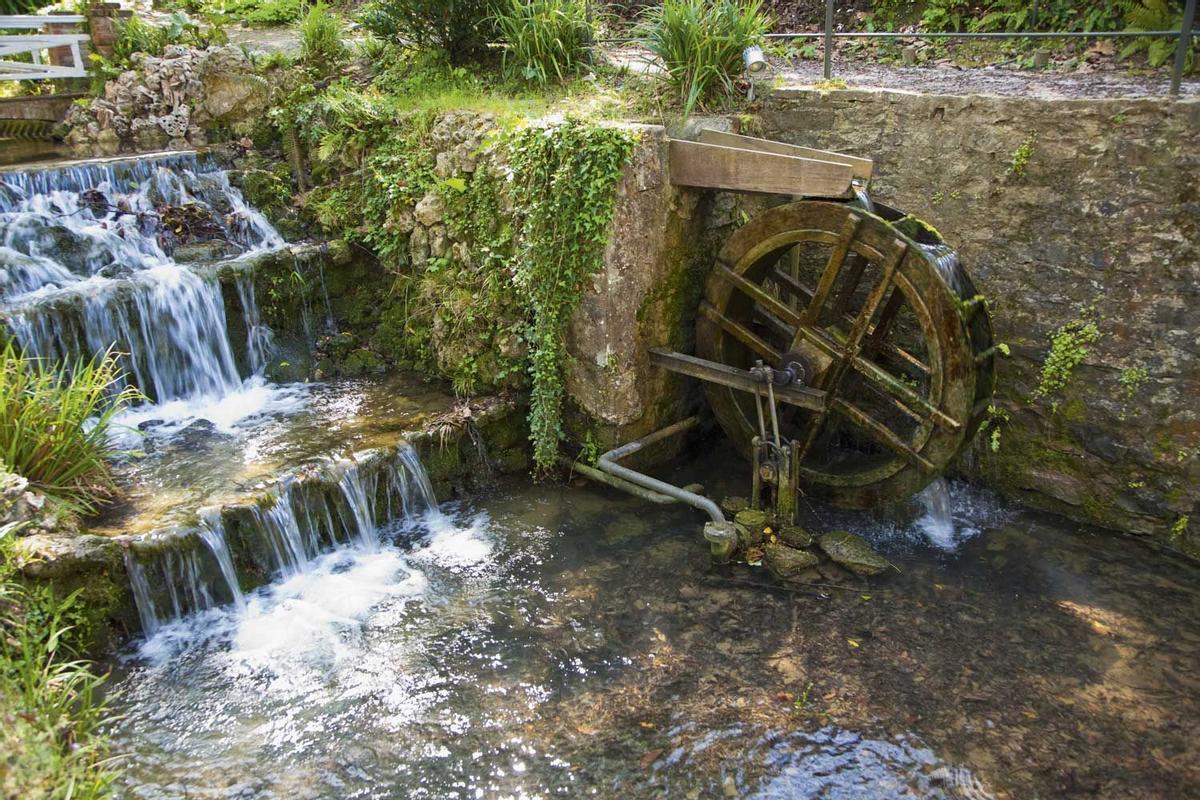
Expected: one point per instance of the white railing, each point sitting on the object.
(58, 48)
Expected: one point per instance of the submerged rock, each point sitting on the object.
(794, 536)
(732, 505)
(787, 563)
(853, 553)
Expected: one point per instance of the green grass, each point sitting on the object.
(322, 42)
(54, 424)
(700, 43)
(544, 39)
(50, 709)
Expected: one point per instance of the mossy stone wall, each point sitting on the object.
(1061, 210)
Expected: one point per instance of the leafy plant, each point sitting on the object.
(1155, 15)
(54, 424)
(1021, 156)
(321, 39)
(544, 39)
(459, 28)
(700, 43)
(50, 706)
(568, 176)
(1069, 346)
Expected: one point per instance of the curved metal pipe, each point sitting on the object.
(617, 483)
(608, 463)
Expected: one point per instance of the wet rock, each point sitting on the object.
(201, 251)
(787, 563)
(732, 505)
(794, 536)
(751, 518)
(852, 552)
(430, 209)
(361, 362)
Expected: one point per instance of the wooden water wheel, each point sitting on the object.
(886, 327)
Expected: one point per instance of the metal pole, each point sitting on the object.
(1185, 41)
(829, 39)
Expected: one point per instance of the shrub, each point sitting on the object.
(544, 39)
(54, 424)
(50, 707)
(700, 42)
(460, 28)
(321, 39)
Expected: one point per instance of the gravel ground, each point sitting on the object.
(987, 80)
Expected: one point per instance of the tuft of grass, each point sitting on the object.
(54, 424)
(50, 705)
(544, 39)
(700, 43)
(322, 42)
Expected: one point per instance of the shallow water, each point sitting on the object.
(551, 641)
(202, 451)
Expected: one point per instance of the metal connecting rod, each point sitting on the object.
(608, 463)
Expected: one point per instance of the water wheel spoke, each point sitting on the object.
(841, 304)
(887, 317)
(743, 334)
(791, 285)
(838, 257)
(777, 326)
(917, 407)
(759, 295)
(881, 433)
(863, 321)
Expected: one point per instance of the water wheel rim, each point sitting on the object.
(951, 393)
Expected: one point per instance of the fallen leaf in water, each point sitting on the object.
(651, 757)
(783, 697)
(1030, 714)
(852, 643)
(586, 730)
(939, 586)
(648, 725)
(866, 597)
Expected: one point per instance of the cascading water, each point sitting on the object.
(938, 521)
(88, 266)
(281, 538)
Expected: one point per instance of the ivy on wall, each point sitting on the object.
(532, 222)
(567, 177)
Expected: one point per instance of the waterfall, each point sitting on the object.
(212, 533)
(85, 265)
(282, 535)
(938, 522)
(260, 340)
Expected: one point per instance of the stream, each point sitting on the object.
(555, 641)
(543, 640)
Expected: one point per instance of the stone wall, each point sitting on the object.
(1103, 224)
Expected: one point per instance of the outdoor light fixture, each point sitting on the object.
(754, 59)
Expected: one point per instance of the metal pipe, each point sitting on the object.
(948, 35)
(976, 35)
(828, 39)
(1185, 41)
(607, 463)
(617, 483)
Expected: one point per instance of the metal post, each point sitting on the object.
(829, 38)
(1185, 41)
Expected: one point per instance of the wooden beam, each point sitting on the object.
(715, 167)
(861, 168)
(734, 378)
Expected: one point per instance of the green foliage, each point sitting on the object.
(461, 29)
(321, 39)
(1179, 528)
(50, 706)
(568, 176)
(1156, 15)
(700, 43)
(1132, 378)
(544, 39)
(1069, 346)
(259, 13)
(54, 424)
(1019, 161)
(997, 417)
